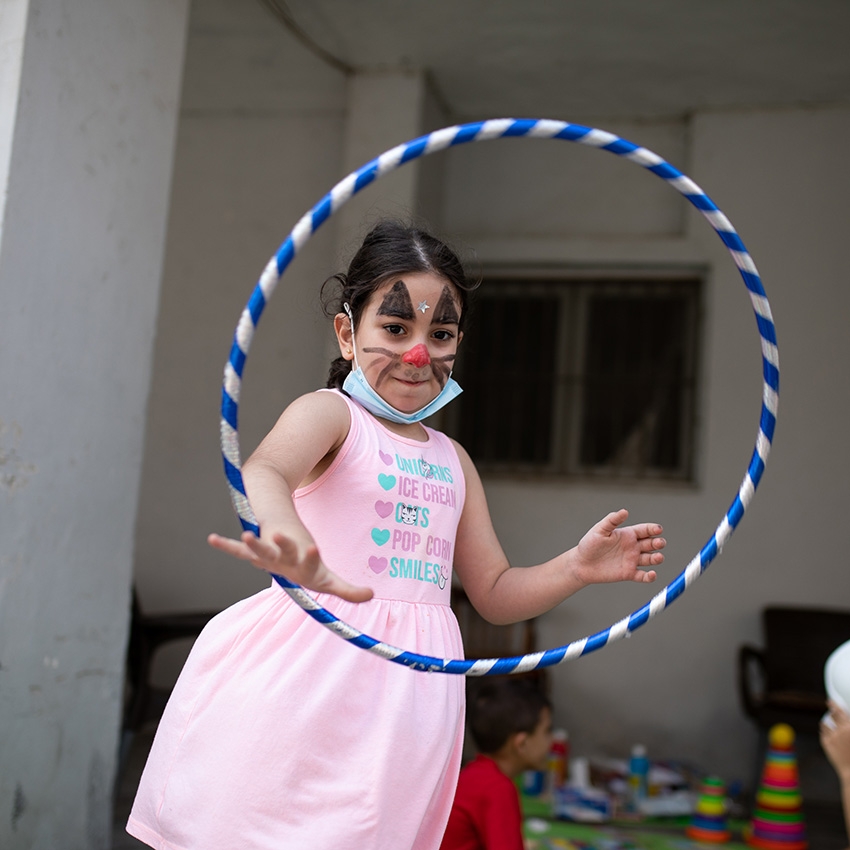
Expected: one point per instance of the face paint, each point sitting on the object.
(417, 356)
(392, 360)
(442, 368)
(361, 390)
(445, 313)
(397, 302)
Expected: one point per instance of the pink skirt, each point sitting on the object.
(279, 735)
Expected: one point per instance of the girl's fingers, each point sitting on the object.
(648, 531)
(352, 593)
(645, 576)
(613, 521)
(259, 547)
(287, 548)
(229, 546)
(284, 550)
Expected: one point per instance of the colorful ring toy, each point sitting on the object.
(389, 161)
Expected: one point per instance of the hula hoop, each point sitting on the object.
(387, 162)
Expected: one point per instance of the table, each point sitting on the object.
(648, 834)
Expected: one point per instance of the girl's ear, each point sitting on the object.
(342, 329)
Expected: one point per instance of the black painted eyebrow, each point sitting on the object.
(445, 313)
(397, 302)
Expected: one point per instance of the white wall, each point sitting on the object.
(87, 135)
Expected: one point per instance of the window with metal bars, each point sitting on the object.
(592, 378)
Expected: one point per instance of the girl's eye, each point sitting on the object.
(395, 330)
(443, 336)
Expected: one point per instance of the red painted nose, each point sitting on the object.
(417, 356)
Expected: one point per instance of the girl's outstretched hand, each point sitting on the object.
(281, 556)
(609, 553)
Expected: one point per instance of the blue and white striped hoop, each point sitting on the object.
(387, 162)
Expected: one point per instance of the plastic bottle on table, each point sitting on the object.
(558, 766)
(638, 777)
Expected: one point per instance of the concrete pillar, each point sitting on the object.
(385, 108)
(89, 94)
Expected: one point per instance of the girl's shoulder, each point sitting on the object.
(467, 465)
(321, 418)
(320, 403)
(462, 454)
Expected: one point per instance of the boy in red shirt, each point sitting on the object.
(511, 724)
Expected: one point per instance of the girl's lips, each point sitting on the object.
(413, 382)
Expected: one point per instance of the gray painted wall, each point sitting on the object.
(88, 135)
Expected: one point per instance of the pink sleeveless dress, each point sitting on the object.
(279, 735)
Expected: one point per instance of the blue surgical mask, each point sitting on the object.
(361, 391)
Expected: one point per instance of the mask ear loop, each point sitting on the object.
(347, 308)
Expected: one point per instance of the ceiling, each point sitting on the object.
(574, 59)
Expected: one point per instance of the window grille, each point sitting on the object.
(591, 377)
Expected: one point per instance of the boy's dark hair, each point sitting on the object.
(499, 709)
(391, 248)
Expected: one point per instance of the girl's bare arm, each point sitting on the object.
(301, 444)
(609, 552)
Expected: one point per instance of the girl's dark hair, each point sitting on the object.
(499, 709)
(390, 249)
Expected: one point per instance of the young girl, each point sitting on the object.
(278, 733)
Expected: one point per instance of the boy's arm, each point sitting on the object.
(501, 593)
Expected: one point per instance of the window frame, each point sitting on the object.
(574, 287)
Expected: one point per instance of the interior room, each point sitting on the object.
(162, 156)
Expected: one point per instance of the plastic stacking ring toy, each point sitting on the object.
(387, 162)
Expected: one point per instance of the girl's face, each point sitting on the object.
(406, 338)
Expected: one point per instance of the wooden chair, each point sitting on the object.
(782, 682)
(143, 702)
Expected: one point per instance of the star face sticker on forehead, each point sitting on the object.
(423, 306)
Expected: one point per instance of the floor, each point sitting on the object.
(824, 821)
(825, 825)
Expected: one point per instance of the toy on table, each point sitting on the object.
(709, 822)
(777, 822)
(578, 800)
